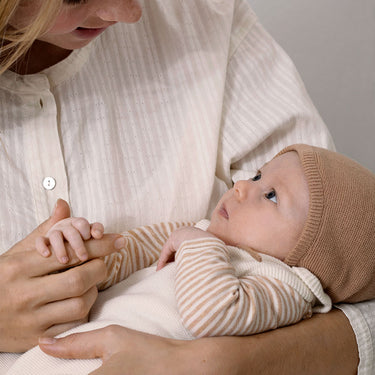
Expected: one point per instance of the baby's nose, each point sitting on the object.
(241, 189)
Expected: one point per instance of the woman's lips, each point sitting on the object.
(84, 33)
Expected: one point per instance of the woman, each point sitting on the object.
(138, 118)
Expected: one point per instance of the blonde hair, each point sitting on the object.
(14, 43)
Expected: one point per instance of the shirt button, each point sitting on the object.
(49, 183)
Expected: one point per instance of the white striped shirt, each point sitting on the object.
(149, 118)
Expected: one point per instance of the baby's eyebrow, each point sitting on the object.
(261, 169)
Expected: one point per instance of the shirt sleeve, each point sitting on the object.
(362, 320)
(265, 106)
(143, 248)
(214, 301)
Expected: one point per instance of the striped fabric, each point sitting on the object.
(215, 301)
(143, 248)
(151, 121)
(220, 290)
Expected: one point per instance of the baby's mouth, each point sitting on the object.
(223, 212)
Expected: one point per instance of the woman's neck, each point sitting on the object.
(40, 56)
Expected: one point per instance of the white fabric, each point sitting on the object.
(145, 301)
(134, 126)
(152, 121)
(362, 319)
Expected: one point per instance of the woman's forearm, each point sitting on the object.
(324, 344)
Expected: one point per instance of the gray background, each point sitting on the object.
(332, 43)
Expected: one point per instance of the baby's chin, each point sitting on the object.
(215, 230)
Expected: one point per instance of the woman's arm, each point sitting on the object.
(322, 345)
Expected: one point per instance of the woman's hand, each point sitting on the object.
(322, 345)
(35, 300)
(122, 350)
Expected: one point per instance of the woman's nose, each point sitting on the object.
(241, 189)
(128, 11)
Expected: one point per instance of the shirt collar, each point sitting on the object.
(47, 78)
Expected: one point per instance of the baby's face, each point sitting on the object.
(266, 213)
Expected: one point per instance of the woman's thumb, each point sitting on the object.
(60, 211)
(83, 345)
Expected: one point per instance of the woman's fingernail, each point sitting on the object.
(64, 260)
(120, 243)
(47, 340)
(46, 253)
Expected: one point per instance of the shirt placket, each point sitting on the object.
(47, 172)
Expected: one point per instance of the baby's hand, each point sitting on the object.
(175, 240)
(73, 230)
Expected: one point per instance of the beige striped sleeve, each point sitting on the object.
(143, 248)
(213, 301)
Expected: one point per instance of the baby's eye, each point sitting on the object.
(257, 177)
(271, 196)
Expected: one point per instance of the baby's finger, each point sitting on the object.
(83, 227)
(97, 230)
(56, 240)
(41, 244)
(73, 236)
(166, 255)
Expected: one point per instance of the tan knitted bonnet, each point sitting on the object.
(338, 240)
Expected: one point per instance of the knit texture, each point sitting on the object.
(338, 240)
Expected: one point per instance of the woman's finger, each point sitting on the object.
(68, 310)
(78, 345)
(122, 350)
(31, 264)
(71, 283)
(60, 212)
(64, 327)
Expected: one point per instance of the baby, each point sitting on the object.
(288, 242)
